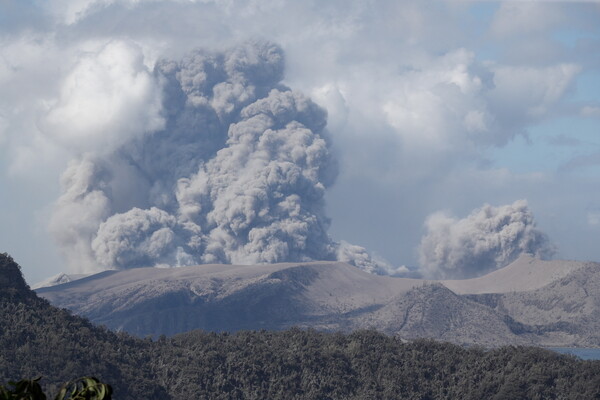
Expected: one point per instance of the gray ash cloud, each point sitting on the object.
(487, 239)
(236, 173)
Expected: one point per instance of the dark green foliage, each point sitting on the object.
(86, 388)
(26, 389)
(306, 364)
(38, 339)
(12, 284)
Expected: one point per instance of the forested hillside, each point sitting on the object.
(38, 339)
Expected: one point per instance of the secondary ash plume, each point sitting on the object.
(237, 174)
(487, 239)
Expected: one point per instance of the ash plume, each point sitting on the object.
(487, 239)
(236, 173)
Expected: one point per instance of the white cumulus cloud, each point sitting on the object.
(109, 97)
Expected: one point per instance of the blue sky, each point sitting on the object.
(432, 106)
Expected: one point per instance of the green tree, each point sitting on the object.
(86, 388)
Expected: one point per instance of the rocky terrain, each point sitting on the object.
(552, 303)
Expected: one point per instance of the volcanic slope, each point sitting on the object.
(152, 301)
(528, 302)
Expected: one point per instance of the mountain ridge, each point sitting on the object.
(334, 296)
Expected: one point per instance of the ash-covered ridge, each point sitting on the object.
(555, 303)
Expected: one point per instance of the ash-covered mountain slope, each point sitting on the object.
(552, 303)
(226, 297)
(524, 274)
(58, 279)
(528, 302)
(565, 312)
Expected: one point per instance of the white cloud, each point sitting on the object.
(524, 94)
(593, 218)
(108, 98)
(517, 18)
(332, 98)
(3, 128)
(590, 111)
(72, 11)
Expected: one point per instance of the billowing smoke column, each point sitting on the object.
(236, 174)
(487, 239)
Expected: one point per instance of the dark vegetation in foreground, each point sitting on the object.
(37, 339)
(86, 388)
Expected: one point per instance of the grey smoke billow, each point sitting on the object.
(265, 190)
(137, 237)
(79, 211)
(237, 175)
(487, 239)
(360, 257)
